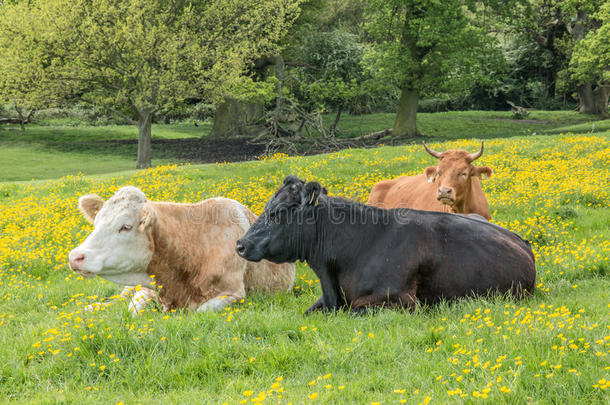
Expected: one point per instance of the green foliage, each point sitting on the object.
(139, 57)
(25, 68)
(135, 55)
(426, 45)
(591, 57)
(331, 74)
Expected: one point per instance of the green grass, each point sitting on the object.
(44, 152)
(469, 124)
(539, 185)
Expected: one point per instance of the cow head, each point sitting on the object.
(275, 235)
(454, 174)
(119, 248)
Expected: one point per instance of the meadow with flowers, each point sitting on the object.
(550, 348)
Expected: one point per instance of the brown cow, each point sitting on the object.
(188, 249)
(452, 186)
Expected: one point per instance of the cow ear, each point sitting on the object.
(90, 205)
(483, 170)
(312, 192)
(293, 180)
(430, 173)
(147, 217)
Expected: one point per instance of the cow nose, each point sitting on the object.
(445, 191)
(76, 260)
(240, 248)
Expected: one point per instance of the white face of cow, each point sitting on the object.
(119, 248)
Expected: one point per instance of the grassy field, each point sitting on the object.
(44, 151)
(551, 348)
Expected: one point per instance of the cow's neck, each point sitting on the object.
(167, 265)
(466, 204)
(474, 202)
(336, 224)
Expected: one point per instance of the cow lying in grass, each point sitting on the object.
(452, 186)
(188, 250)
(366, 256)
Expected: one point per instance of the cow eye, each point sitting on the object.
(464, 174)
(125, 228)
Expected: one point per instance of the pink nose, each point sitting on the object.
(76, 260)
(445, 192)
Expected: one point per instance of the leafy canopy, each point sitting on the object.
(427, 44)
(139, 55)
(591, 57)
(332, 70)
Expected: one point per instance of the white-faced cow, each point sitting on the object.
(368, 257)
(189, 249)
(452, 186)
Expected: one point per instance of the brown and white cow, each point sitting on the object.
(187, 250)
(452, 186)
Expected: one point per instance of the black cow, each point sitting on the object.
(366, 256)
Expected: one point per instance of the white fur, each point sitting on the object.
(242, 219)
(139, 300)
(119, 256)
(216, 304)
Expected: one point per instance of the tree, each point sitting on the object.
(23, 68)
(579, 16)
(139, 57)
(423, 45)
(331, 70)
(590, 64)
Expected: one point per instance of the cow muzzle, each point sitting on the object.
(76, 261)
(248, 251)
(445, 195)
(240, 248)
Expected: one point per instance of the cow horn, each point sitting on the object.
(432, 152)
(475, 156)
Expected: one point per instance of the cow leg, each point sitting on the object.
(317, 306)
(408, 299)
(362, 305)
(329, 289)
(218, 303)
(138, 300)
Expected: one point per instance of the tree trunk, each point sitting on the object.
(333, 126)
(585, 94)
(279, 75)
(593, 99)
(144, 139)
(233, 117)
(405, 123)
(600, 95)
(22, 119)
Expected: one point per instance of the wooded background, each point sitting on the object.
(270, 69)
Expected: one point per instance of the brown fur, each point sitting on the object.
(194, 257)
(418, 193)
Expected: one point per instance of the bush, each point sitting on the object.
(75, 115)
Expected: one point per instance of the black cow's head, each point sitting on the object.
(277, 234)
